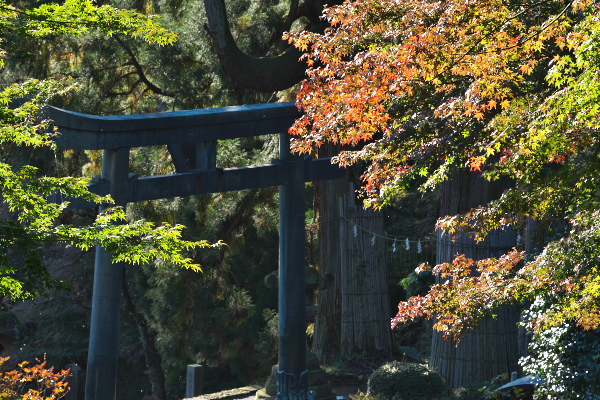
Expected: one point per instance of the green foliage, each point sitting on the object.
(565, 357)
(363, 396)
(267, 346)
(65, 314)
(406, 381)
(52, 18)
(223, 317)
(425, 90)
(124, 74)
(463, 393)
(57, 324)
(25, 188)
(472, 391)
(418, 283)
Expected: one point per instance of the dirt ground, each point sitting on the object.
(346, 384)
(346, 391)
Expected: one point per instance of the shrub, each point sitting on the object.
(32, 383)
(408, 381)
(418, 283)
(472, 391)
(565, 357)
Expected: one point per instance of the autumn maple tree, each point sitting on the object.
(25, 189)
(418, 90)
(35, 382)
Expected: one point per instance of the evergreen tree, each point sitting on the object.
(25, 189)
(30, 223)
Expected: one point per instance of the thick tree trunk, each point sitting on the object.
(326, 342)
(493, 348)
(354, 313)
(365, 317)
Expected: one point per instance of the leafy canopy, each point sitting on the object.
(33, 221)
(418, 90)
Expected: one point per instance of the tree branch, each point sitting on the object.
(110, 93)
(266, 74)
(140, 70)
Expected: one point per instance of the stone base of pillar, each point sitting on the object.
(317, 381)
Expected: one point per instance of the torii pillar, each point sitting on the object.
(101, 371)
(292, 381)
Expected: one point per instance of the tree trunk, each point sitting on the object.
(155, 372)
(491, 349)
(265, 74)
(365, 317)
(354, 313)
(326, 341)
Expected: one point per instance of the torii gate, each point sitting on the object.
(200, 129)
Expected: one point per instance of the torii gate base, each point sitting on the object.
(199, 129)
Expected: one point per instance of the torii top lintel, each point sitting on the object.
(93, 132)
(200, 129)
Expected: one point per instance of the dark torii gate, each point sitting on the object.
(196, 173)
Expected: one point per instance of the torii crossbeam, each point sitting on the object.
(196, 173)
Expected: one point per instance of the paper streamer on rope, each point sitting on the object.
(422, 251)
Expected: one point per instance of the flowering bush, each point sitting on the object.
(566, 357)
